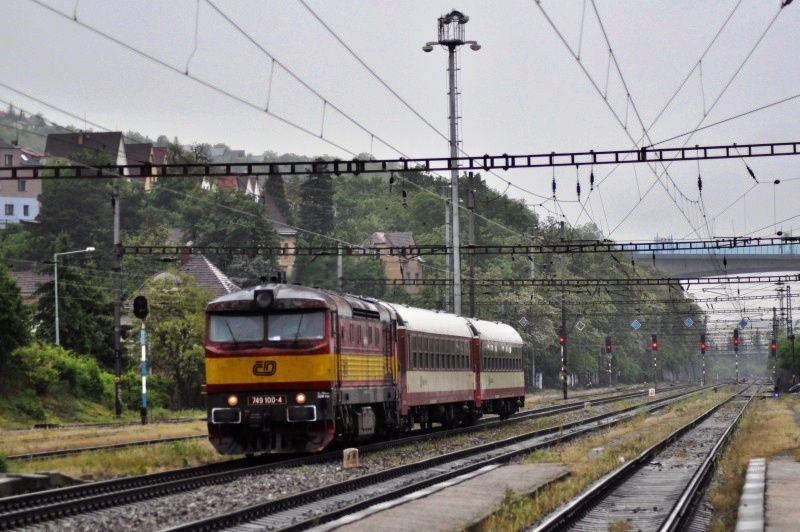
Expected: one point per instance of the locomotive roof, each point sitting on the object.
(344, 304)
(432, 322)
(496, 332)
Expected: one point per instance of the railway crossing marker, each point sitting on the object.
(688, 322)
(636, 325)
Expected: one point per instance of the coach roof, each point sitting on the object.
(431, 322)
(496, 332)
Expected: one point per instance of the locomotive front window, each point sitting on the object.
(296, 326)
(231, 328)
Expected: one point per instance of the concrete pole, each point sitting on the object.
(564, 370)
(339, 267)
(117, 305)
(451, 61)
(55, 289)
(471, 205)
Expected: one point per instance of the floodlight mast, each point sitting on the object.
(451, 36)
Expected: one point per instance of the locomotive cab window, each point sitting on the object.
(232, 328)
(296, 326)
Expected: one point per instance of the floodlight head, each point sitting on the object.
(427, 48)
(475, 46)
(90, 248)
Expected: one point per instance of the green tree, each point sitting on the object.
(176, 324)
(13, 317)
(81, 209)
(275, 188)
(316, 204)
(230, 218)
(85, 311)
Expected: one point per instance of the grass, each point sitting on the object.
(133, 461)
(591, 457)
(769, 428)
(24, 410)
(72, 438)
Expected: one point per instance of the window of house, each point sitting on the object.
(26, 210)
(9, 209)
(22, 185)
(8, 160)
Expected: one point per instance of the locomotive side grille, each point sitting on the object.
(366, 314)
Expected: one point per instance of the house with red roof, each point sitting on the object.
(403, 266)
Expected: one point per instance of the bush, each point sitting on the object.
(3, 463)
(30, 407)
(44, 366)
(35, 366)
(159, 390)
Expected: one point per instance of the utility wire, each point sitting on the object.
(238, 98)
(404, 101)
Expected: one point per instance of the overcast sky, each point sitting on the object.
(523, 92)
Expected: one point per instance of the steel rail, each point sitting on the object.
(58, 453)
(577, 507)
(41, 506)
(555, 434)
(687, 503)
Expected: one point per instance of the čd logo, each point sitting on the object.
(265, 368)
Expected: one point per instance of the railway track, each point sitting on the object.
(329, 503)
(659, 489)
(52, 504)
(596, 399)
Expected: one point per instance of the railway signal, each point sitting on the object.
(736, 351)
(654, 342)
(703, 346)
(773, 347)
(608, 344)
(562, 340)
(140, 308)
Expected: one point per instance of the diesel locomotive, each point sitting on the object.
(291, 368)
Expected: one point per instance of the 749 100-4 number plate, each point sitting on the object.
(266, 400)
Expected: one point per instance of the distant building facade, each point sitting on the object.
(396, 267)
(18, 198)
(67, 145)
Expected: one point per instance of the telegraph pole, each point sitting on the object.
(451, 36)
(117, 305)
(471, 206)
(563, 341)
(774, 347)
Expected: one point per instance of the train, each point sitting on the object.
(291, 369)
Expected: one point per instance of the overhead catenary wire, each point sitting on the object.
(226, 207)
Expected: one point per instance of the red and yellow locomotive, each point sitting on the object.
(290, 368)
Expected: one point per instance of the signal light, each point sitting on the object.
(703, 344)
(140, 308)
(773, 346)
(608, 344)
(654, 342)
(736, 337)
(562, 340)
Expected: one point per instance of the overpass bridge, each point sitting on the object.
(724, 261)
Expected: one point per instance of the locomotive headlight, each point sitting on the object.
(233, 400)
(300, 398)
(264, 298)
